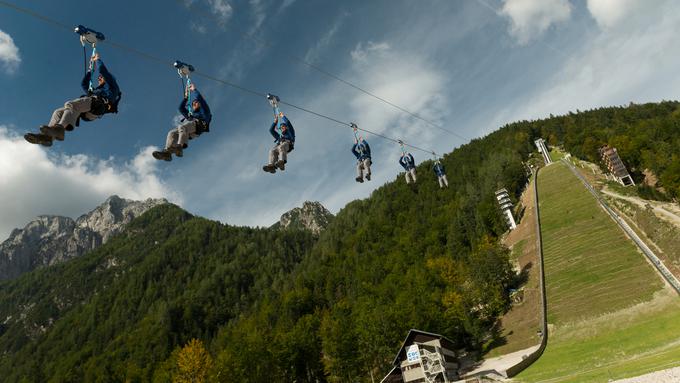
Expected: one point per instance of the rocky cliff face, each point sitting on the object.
(312, 216)
(51, 239)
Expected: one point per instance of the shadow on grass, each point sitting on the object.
(497, 338)
(522, 278)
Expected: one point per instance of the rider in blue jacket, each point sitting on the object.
(284, 142)
(438, 169)
(195, 122)
(409, 165)
(362, 152)
(102, 98)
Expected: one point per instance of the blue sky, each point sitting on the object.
(469, 65)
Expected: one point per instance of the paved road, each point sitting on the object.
(667, 275)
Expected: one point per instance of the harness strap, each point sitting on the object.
(188, 91)
(92, 66)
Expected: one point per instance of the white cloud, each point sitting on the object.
(361, 53)
(9, 53)
(609, 13)
(199, 28)
(259, 15)
(314, 52)
(221, 9)
(285, 4)
(635, 64)
(530, 18)
(34, 181)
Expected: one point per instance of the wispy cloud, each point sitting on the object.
(362, 50)
(9, 53)
(325, 41)
(198, 27)
(285, 4)
(613, 68)
(222, 9)
(34, 182)
(609, 13)
(259, 15)
(531, 18)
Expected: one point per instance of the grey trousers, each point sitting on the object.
(364, 165)
(72, 109)
(411, 174)
(279, 151)
(181, 134)
(443, 181)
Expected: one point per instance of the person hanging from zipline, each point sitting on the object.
(98, 100)
(438, 169)
(284, 138)
(196, 118)
(408, 163)
(362, 152)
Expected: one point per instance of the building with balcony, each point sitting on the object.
(505, 204)
(424, 358)
(611, 160)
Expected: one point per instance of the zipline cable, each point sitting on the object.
(205, 75)
(329, 74)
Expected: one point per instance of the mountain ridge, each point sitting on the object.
(49, 239)
(312, 216)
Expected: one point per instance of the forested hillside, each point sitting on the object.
(116, 313)
(646, 136)
(289, 306)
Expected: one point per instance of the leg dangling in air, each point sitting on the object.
(283, 155)
(367, 167)
(273, 155)
(360, 173)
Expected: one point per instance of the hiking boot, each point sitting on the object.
(39, 139)
(176, 150)
(368, 177)
(68, 128)
(269, 168)
(281, 165)
(56, 131)
(359, 179)
(162, 155)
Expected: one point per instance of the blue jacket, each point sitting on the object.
(203, 113)
(289, 134)
(109, 90)
(361, 150)
(407, 162)
(438, 169)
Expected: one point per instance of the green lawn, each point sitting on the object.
(629, 344)
(594, 279)
(556, 154)
(591, 267)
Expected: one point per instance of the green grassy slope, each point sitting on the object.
(594, 279)
(591, 267)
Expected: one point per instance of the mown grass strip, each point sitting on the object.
(611, 317)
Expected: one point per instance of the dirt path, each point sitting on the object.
(671, 375)
(666, 211)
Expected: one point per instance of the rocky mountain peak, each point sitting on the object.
(110, 217)
(312, 216)
(48, 240)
